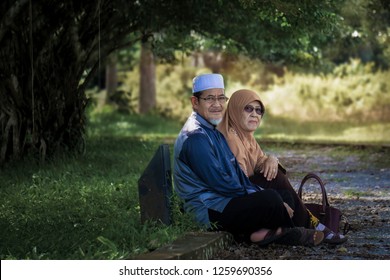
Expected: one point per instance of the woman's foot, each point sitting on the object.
(330, 236)
(266, 236)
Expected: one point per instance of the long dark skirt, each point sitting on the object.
(282, 185)
(250, 213)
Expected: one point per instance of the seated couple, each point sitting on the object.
(226, 181)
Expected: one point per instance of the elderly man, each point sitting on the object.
(212, 185)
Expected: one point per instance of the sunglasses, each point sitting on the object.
(259, 110)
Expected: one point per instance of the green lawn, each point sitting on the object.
(85, 207)
(288, 130)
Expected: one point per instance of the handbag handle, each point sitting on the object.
(325, 201)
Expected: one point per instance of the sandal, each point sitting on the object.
(272, 236)
(300, 236)
(311, 237)
(333, 238)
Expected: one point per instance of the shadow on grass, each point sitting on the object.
(81, 207)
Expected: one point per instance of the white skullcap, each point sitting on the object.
(207, 81)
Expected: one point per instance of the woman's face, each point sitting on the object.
(250, 119)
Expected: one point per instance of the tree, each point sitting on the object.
(147, 95)
(111, 75)
(364, 35)
(50, 50)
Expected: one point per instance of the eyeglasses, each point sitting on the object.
(259, 110)
(212, 99)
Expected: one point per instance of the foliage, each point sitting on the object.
(352, 92)
(45, 49)
(273, 31)
(50, 51)
(301, 27)
(364, 34)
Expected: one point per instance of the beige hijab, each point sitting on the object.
(242, 143)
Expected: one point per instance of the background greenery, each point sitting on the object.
(351, 104)
(321, 68)
(51, 52)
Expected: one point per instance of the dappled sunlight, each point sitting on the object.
(379, 132)
(115, 124)
(353, 91)
(124, 125)
(156, 128)
(332, 132)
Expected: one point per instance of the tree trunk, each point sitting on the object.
(111, 75)
(109, 84)
(147, 96)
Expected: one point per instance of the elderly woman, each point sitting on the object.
(241, 118)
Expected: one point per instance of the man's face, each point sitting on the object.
(209, 109)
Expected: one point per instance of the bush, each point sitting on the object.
(352, 92)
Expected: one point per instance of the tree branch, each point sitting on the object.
(9, 17)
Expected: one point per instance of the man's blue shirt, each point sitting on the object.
(206, 173)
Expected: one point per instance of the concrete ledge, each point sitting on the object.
(192, 246)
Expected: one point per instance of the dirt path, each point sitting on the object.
(357, 180)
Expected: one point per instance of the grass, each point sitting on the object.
(342, 132)
(357, 194)
(82, 207)
(112, 124)
(86, 207)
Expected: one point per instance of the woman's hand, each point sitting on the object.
(270, 168)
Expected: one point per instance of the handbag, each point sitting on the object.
(328, 215)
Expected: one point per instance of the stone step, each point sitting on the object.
(192, 246)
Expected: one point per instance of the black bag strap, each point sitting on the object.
(325, 201)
